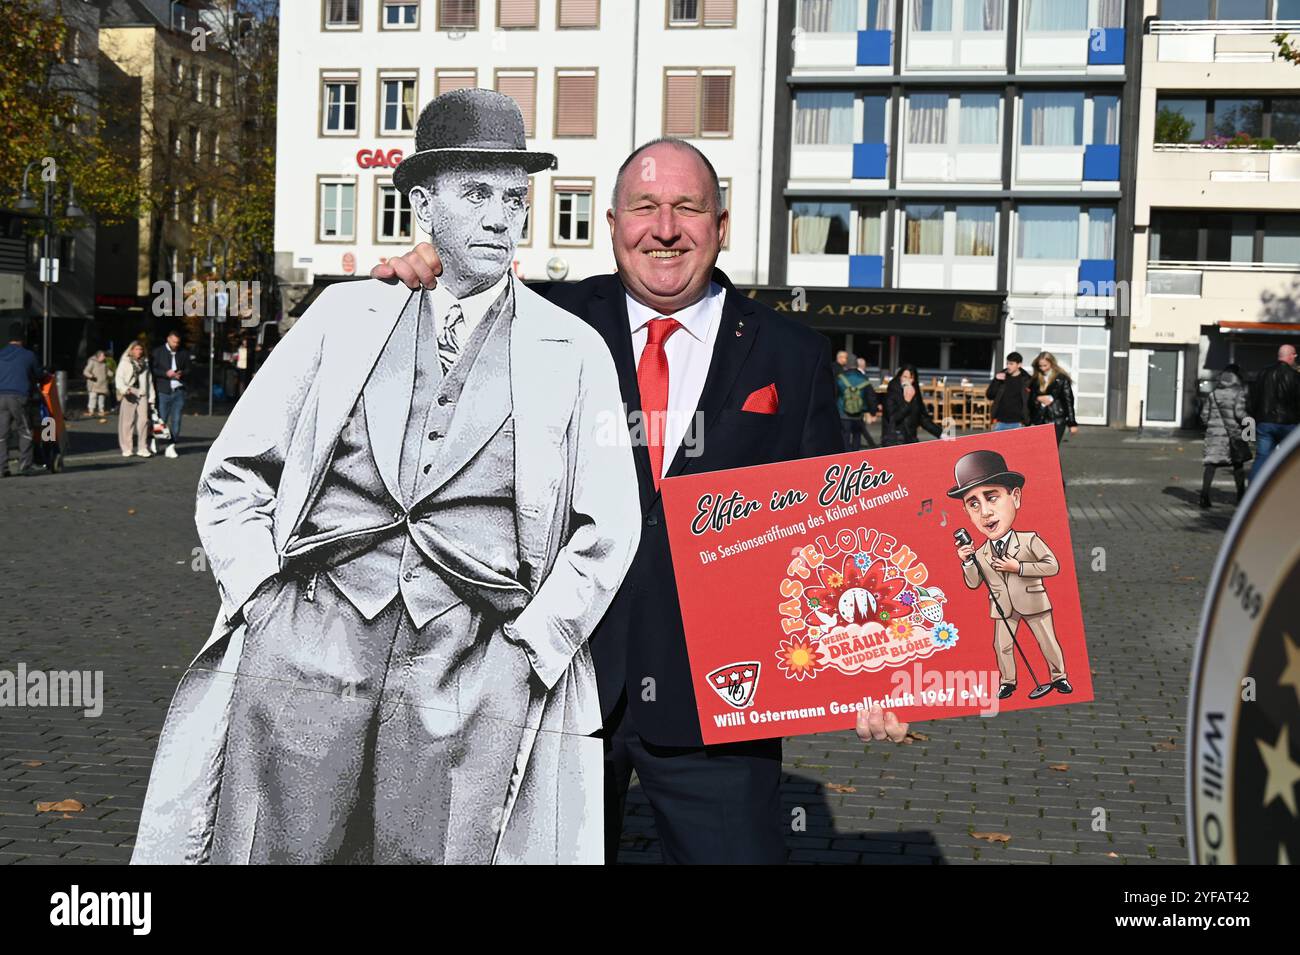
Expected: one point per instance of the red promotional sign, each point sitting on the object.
(935, 579)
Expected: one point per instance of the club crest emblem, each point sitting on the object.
(736, 683)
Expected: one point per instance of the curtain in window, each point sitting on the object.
(823, 118)
(976, 226)
(932, 15)
(820, 228)
(1053, 119)
(1105, 120)
(978, 119)
(983, 15)
(1101, 233)
(869, 231)
(1056, 15)
(1110, 13)
(880, 14)
(927, 118)
(828, 16)
(923, 231)
(1048, 232)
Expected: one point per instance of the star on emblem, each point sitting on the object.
(1283, 773)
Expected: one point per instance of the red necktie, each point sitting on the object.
(652, 380)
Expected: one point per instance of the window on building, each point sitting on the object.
(397, 108)
(828, 16)
(457, 14)
(823, 117)
(339, 113)
(1056, 16)
(977, 228)
(875, 110)
(697, 103)
(575, 103)
(1281, 241)
(1101, 233)
(707, 13)
(400, 15)
(196, 85)
(447, 80)
(1244, 238)
(927, 119)
(342, 14)
(724, 186)
(1110, 14)
(871, 232)
(214, 146)
(572, 202)
(178, 72)
(72, 45)
(1190, 119)
(983, 16)
(1219, 9)
(1052, 119)
(195, 139)
(521, 86)
(517, 14)
(979, 119)
(338, 204)
(819, 228)
(394, 223)
(1105, 120)
(577, 14)
(526, 236)
(683, 13)
(214, 88)
(212, 209)
(932, 16)
(923, 229)
(1048, 232)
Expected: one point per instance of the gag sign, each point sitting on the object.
(933, 579)
(378, 158)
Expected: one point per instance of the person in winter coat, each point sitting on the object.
(1052, 396)
(1222, 413)
(96, 375)
(905, 411)
(135, 395)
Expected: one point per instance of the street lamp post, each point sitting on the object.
(26, 204)
(209, 265)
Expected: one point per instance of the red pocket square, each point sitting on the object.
(763, 401)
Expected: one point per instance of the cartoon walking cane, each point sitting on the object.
(963, 538)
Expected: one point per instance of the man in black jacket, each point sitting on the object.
(670, 316)
(1275, 405)
(1009, 392)
(170, 364)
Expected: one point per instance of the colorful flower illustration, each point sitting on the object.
(945, 635)
(861, 560)
(798, 659)
(856, 594)
(900, 628)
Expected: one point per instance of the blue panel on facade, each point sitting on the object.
(873, 47)
(1101, 163)
(866, 271)
(870, 160)
(1097, 277)
(1106, 46)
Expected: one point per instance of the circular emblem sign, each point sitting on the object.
(1244, 719)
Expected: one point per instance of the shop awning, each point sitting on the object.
(889, 311)
(1261, 328)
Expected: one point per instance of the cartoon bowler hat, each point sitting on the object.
(469, 123)
(983, 467)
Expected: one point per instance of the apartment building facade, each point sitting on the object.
(1216, 274)
(593, 78)
(950, 179)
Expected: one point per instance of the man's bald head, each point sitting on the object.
(1287, 354)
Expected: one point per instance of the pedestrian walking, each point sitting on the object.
(136, 398)
(97, 378)
(171, 367)
(1223, 413)
(857, 404)
(1009, 392)
(1275, 405)
(905, 411)
(1053, 396)
(20, 373)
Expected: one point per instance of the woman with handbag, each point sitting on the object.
(135, 396)
(1051, 396)
(1222, 413)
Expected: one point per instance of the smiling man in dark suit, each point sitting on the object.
(751, 387)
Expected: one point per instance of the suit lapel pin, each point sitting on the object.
(739, 326)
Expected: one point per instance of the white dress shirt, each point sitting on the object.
(473, 307)
(689, 351)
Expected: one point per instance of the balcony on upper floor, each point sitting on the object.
(844, 35)
(1223, 44)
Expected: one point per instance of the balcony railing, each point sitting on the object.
(1266, 27)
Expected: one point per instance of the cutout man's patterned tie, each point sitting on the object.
(652, 381)
(998, 548)
(449, 338)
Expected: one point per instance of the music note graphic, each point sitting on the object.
(944, 522)
(926, 506)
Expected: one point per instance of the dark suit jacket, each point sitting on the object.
(161, 363)
(640, 638)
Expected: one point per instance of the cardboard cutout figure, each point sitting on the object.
(414, 530)
(1011, 564)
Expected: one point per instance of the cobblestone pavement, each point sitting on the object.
(97, 574)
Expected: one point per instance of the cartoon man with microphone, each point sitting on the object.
(1012, 564)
